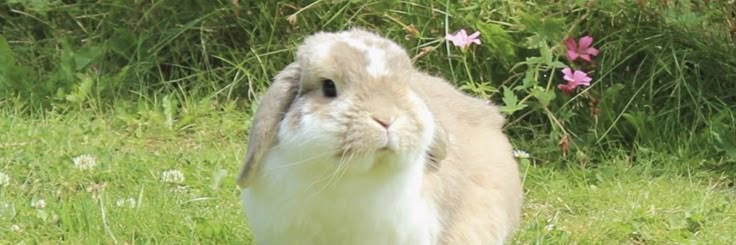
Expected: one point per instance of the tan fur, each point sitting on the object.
(478, 185)
(274, 104)
(470, 173)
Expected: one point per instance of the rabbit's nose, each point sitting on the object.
(382, 121)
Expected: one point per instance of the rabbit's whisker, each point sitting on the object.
(292, 164)
(344, 170)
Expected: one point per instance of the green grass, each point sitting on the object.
(151, 86)
(624, 203)
(37, 154)
(621, 202)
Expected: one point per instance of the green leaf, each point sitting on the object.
(87, 55)
(498, 40)
(484, 90)
(119, 77)
(613, 90)
(535, 41)
(722, 132)
(548, 58)
(635, 119)
(122, 42)
(611, 96)
(7, 58)
(557, 64)
(545, 29)
(530, 79)
(532, 61)
(544, 96)
(67, 64)
(82, 89)
(38, 6)
(511, 102)
(545, 53)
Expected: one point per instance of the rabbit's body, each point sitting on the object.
(477, 186)
(352, 145)
(377, 208)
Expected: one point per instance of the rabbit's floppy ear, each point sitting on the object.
(274, 105)
(438, 150)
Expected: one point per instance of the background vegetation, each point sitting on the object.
(645, 154)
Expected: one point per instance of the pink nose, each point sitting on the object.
(385, 123)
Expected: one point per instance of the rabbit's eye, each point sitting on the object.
(328, 88)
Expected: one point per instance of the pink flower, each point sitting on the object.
(580, 49)
(566, 88)
(462, 40)
(574, 79)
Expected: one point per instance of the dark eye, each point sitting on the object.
(328, 88)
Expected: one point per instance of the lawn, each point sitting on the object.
(126, 198)
(125, 122)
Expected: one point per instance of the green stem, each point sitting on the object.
(467, 69)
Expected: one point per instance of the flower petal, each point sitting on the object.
(581, 77)
(450, 37)
(571, 45)
(577, 75)
(586, 57)
(566, 88)
(586, 81)
(455, 39)
(592, 51)
(463, 34)
(572, 55)
(585, 42)
(568, 74)
(474, 35)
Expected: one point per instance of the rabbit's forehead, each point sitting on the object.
(378, 56)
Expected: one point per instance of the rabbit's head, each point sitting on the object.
(345, 102)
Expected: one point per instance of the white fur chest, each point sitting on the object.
(285, 208)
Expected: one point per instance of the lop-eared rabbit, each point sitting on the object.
(351, 144)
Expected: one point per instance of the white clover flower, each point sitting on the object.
(520, 154)
(179, 189)
(16, 228)
(38, 204)
(549, 227)
(85, 162)
(7, 210)
(126, 202)
(120, 202)
(4, 179)
(172, 176)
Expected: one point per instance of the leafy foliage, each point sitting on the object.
(665, 68)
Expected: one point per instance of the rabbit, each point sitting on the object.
(351, 144)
